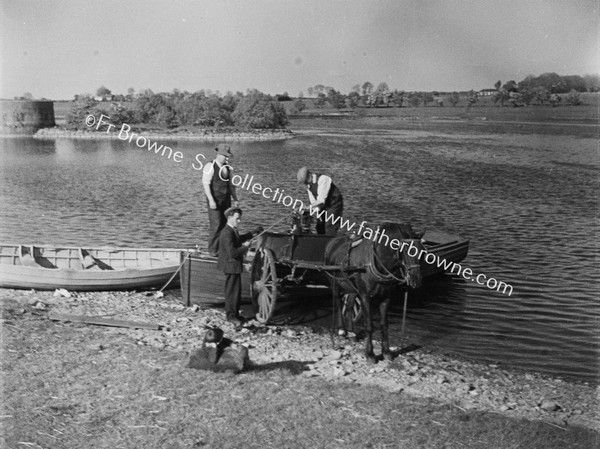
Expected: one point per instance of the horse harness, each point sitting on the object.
(382, 276)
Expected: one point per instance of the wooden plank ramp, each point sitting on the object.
(99, 321)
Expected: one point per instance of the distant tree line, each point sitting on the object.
(172, 109)
(256, 110)
(369, 96)
(544, 88)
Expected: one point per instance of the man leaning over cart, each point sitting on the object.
(323, 195)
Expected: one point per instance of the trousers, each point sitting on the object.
(216, 222)
(233, 295)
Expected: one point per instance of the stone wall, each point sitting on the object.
(25, 116)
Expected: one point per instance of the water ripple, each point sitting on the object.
(528, 204)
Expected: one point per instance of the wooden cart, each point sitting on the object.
(291, 265)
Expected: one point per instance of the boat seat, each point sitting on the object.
(87, 260)
(26, 256)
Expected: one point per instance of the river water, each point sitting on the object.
(527, 203)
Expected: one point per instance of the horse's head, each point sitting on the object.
(403, 259)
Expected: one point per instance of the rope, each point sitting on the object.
(174, 274)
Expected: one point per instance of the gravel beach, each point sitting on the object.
(415, 371)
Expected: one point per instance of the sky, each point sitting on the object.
(57, 49)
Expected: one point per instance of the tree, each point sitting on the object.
(548, 80)
(527, 95)
(118, 114)
(336, 99)
(502, 94)
(319, 89)
(573, 98)
(427, 98)
(381, 95)
(353, 98)
(166, 116)
(516, 99)
(592, 83)
(510, 86)
(283, 97)
(472, 98)
(27, 96)
(559, 88)
(414, 99)
(258, 110)
(320, 100)
(367, 87)
(102, 91)
(298, 105)
(575, 83)
(454, 98)
(398, 97)
(382, 88)
(541, 94)
(82, 106)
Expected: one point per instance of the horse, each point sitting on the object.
(372, 270)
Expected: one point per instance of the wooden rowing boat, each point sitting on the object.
(202, 282)
(449, 249)
(84, 269)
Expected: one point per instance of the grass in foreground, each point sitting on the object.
(74, 386)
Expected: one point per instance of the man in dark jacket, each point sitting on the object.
(324, 196)
(232, 249)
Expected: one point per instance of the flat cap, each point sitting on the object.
(232, 210)
(302, 175)
(224, 149)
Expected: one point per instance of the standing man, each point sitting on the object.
(219, 191)
(232, 249)
(323, 195)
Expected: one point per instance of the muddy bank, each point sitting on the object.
(196, 135)
(415, 371)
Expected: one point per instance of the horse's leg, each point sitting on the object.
(369, 327)
(338, 319)
(385, 343)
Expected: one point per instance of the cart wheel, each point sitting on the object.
(351, 308)
(264, 284)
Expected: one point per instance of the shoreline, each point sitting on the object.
(206, 135)
(415, 371)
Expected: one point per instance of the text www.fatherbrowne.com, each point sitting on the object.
(377, 235)
(380, 236)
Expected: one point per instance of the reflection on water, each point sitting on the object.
(527, 203)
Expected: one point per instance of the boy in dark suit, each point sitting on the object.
(232, 249)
